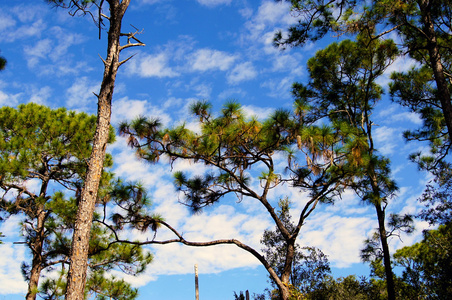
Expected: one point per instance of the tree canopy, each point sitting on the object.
(242, 156)
(42, 165)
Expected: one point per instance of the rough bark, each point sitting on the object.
(37, 243)
(285, 277)
(436, 65)
(37, 262)
(80, 240)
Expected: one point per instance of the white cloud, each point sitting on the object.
(401, 64)
(208, 59)
(126, 109)
(41, 95)
(232, 93)
(39, 51)
(242, 72)
(407, 116)
(387, 139)
(279, 88)
(47, 54)
(6, 21)
(259, 112)
(80, 94)
(341, 238)
(11, 278)
(24, 31)
(10, 100)
(151, 65)
(202, 89)
(269, 14)
(394, 113)
(63, 42)
(222, 223)
(212, 3)
(285, 62)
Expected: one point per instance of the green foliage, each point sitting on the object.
(316, 19)
(241, 296)
(239, 151)
(310, 266)
(428, 264)
(233, 145)
(105, 288)
(51, 147)
(416, 90)
(343, 90)
(99, 285)
(350, 287)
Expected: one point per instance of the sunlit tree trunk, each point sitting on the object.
(80, 240)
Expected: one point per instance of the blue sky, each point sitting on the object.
(215, 50)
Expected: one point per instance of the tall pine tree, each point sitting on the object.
(342, 90)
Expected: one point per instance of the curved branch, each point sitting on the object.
(182, 240)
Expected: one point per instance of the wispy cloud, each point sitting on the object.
(387, 139)
(80, 95)
(262, 25)
(8, 99)
(242, 72)
(209, 59)
(151, 65)
(213, 3)
(12, 257)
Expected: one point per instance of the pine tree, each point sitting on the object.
(81, 237)
(235, 148)
(342, 89)
(423, 25)
(47, 149)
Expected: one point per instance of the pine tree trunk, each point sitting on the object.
(37, 262)
(287, 271)
(436, 65)
(386, 255)
(82, 229)
(34, 279)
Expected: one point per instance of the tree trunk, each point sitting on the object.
(37, 262)
(287, 271)
(386, 255)
(34, 278)
(435, 63)
(82, 229)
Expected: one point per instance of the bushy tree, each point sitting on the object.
(43, 150)
(427, 265)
